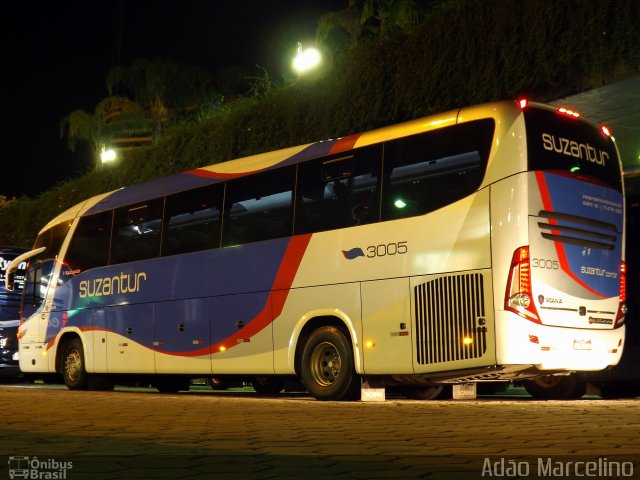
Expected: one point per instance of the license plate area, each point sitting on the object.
(581, 344)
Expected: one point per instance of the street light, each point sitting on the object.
(108, 156)
(306, 60)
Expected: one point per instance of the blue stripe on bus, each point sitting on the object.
(592, 201)
(193, 179)
(174, 291)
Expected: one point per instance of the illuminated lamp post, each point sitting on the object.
(107, 156)
(306, 60)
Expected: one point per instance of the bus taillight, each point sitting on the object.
(522, 103)
(622, 306)
(519, 296)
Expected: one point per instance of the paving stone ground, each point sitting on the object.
(201, 434)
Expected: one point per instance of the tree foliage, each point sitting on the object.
(462, 52)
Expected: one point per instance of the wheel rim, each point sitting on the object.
(325, 364)
(73, 365)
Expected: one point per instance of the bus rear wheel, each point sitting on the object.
(555, 387)
(73, 370)
(268, 386)
(430, 392)
(327, 370)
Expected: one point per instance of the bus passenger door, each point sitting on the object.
(35, 316)
(386, 323)
(242, 334)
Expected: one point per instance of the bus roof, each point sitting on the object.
(288, 156)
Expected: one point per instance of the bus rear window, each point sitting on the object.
(558, 142)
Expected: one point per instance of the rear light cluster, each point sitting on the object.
(524, 103)
(622, 307)
(519, 296)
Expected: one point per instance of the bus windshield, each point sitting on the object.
(562, 142)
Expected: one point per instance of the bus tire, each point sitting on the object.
(555, 387)
(430, 392)
(73, 371)
(269, 386)
(327, 369)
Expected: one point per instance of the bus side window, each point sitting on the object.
(136, 232)
(428, 171)
(89, 247)
(339, 191)
(259, 207)
(192, 220)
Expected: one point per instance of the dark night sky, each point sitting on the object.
(57, 55)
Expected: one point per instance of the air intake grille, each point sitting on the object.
(449, 313)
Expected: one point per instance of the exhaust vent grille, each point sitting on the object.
(450, 317)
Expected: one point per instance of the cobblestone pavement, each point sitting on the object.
(202, 434)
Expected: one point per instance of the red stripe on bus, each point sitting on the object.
(199, 172)
(344, 144)
(273, 306)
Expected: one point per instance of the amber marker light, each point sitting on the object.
(568, 113)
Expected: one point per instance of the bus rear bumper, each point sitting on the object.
(549, 348)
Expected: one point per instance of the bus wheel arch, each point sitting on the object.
(325, 360)
(70, 362)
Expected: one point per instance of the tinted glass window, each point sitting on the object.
(89, 246)
(338, 191)
(52, 240)
(259, 207)
(192, 220)
(428, 171)
(558, 142)
(136, 232)
(36, 285)
(40, 267)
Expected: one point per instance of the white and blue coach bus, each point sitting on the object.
(481, 244)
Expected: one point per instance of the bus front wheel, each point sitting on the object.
(327, 368)
(73, 370)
